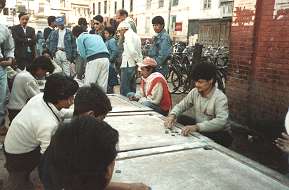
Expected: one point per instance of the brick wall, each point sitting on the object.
(258, 85)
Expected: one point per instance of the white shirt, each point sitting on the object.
(61, 34)
(132, 49)
(287, 122)
(24, 87)
(34, 126)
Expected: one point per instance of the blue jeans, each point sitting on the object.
(3, 94)
(127, 80)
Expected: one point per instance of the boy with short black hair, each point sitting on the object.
(30, 132)
(87, 163)
(210, 107)
(92, 101)
(25, 84)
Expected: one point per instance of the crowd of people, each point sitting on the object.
(75, 149)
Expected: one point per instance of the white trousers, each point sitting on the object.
(96, 71)
(61, 60)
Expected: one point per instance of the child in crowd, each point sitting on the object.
(112, 47)
(25, 84)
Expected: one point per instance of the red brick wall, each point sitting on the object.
(258, 85)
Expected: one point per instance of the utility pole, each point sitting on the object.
(28, 6)
(169, 16)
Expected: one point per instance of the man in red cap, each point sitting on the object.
(154, 91)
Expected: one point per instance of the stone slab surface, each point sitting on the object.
(145, 131)
(122, 104)
(193, 169)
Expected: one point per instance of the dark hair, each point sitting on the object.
(158, 20)
(22, 14)
(77, 30)
(59, 87)
(123, 12)
(110, 30)
(2, 3)
(80, 153)
(205, 71)
(46, 51)
(91, 98)
(82, 21)
(41, 62)
(50, 20)
(98, 18)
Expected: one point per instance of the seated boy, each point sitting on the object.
(30, 131)
(210, 107)
(25, 84)
(85, 163)
(89, 100)
(154, 90)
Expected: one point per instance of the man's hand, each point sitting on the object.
(133, 98)
(283, 143)
(138, 186)
(127, 186)
(189, 129)
(170, 121)
(6, 62)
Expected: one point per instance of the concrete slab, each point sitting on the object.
(122, 104)
(193, 169)
(145, 131)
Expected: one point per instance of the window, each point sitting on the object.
(93, 8)
(122, 4)
(175, 2)
(105, 7)
(131, 5)
(99, 8)
(173, 24)
(149, 4)
(161, 3)
(115, 7)
(207, 4)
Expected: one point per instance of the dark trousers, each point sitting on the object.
(19, 167)
(22, 62)
(221, 137)
(127, 80)
(12, 114)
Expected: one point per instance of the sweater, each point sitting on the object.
(24, 87)
(33, 126)
(155, 90)
(211, 113)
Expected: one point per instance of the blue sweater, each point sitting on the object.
(90, 44)
(112, 47)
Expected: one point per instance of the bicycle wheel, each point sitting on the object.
(175, 82)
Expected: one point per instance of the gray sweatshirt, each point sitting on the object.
(211, 113)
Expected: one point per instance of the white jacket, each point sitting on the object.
(132, 49)
(34, 126)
